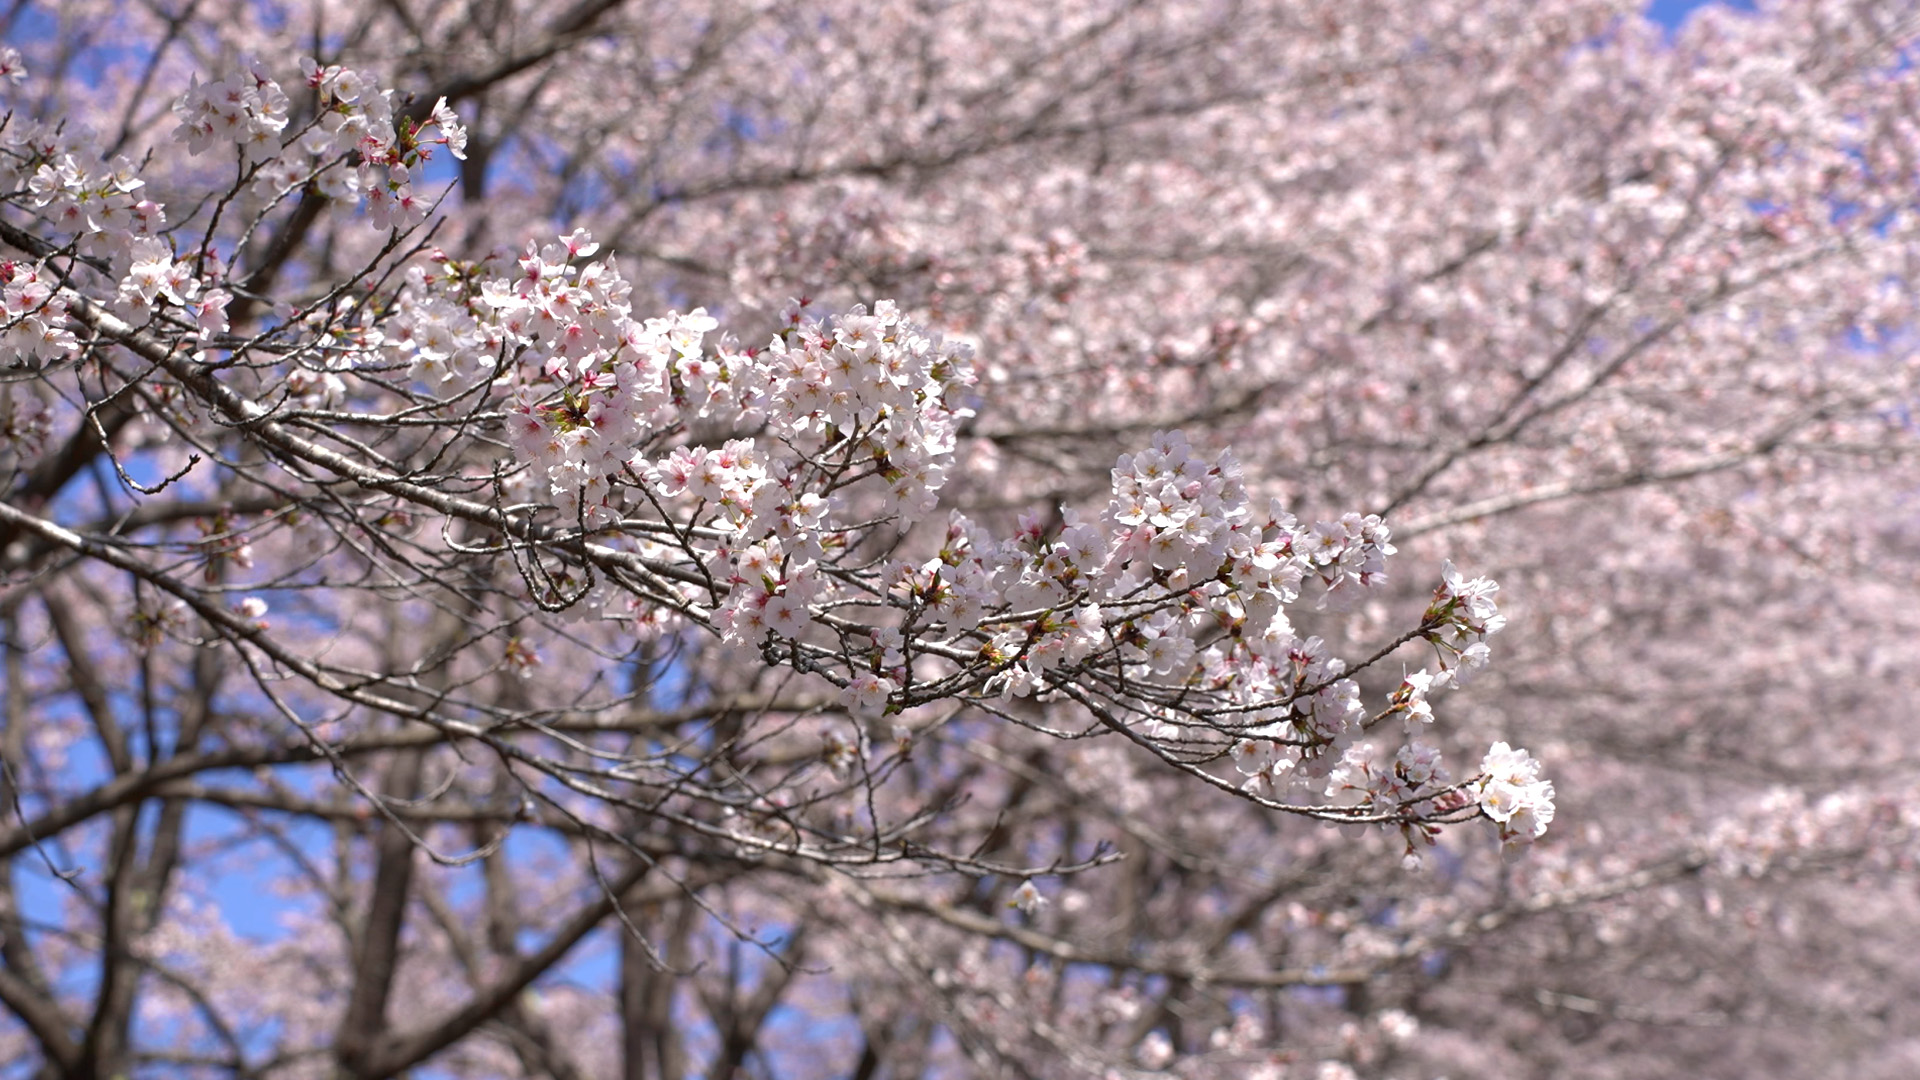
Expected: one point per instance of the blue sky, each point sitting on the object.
(1673, 12)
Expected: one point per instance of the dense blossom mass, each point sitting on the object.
(749, 542)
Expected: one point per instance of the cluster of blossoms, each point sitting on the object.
(850, 405)
(61, 175)
(437, 329)
(1168, 611)
(357, 119)
(35, 326)
(65, 180)
(100, 203)
(48, 166)
(247, 108)
(153, 275)
(1171, 609)
(1463, 614)
(355, 125)
(1414, 786)
(1456, 624)
(1511, 792)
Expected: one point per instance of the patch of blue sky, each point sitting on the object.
(439, 176)
(249, 873)
(45, 877)
(1671, 13)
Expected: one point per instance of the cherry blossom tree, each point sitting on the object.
(882, 540)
